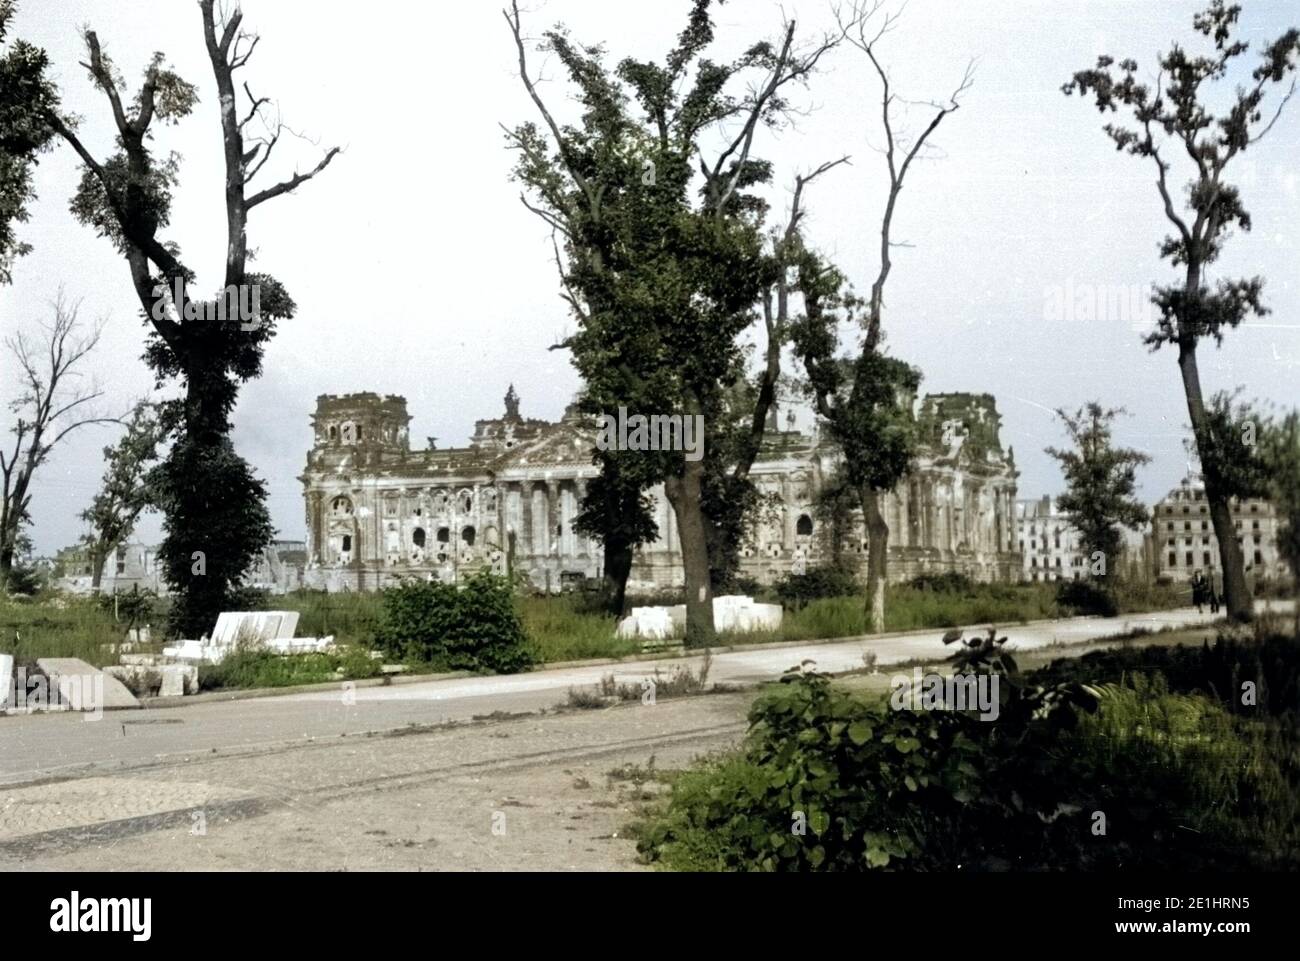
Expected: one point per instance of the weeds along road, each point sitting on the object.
(400, 776)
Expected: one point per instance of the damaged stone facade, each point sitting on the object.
(378, 511)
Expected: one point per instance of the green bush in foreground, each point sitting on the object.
(1154, 778)
(472, 627)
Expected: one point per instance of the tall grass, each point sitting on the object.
(58, 627)
(564, 629)
(350, 617)
(908, 608)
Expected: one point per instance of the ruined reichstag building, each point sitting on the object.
(378, 511)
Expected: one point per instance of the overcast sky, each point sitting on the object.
(417, 271)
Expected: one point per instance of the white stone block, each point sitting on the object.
(173, 681)
(651, 623)
(6, 680)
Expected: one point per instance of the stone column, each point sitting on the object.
(788, 516)
(930, 516)
(580, 492)
(552, 515)
(315, 527)
(524, 538)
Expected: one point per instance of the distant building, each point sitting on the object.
(1047, 541)
(278, 569)
(1185, 541)
(379, 511)
(1053, 548)
(131, 565)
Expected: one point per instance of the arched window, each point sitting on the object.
(444, 535)
(804, 526)
(334, 432)
(358, 433)
(467, 536)
(341, 507)
(347, 542)
(466, 503)
(417, 538)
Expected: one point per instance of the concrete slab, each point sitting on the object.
(253, 626)
(85, 688)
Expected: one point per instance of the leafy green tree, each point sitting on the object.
(1258, 455)
(1100, 485)
(1231, 459)
(125, 490)
(215, 516)
(1280, 451)
(1175, 118)
(616, 511)
(663, 239)
(26, 97)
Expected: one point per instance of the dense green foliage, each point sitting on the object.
(124, 491)
(1100, 496)
(1086, 597)
(1135, 770)
(472, 627)
(949, 582)
(665, 258)
(796, 590)
(26, 96)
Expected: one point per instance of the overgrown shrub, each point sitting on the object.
(1152, 778)
(796, 590)
(949, 582)
(1271, 665)
(134, 607)
(474, 626)
(1086, 597)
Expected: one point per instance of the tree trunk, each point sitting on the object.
(6, 568)
(684, 495)
(618, 567)
(1236, 597)
(877, 557)
(97, 560)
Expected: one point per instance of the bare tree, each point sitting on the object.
(859, 396)
(53, 402)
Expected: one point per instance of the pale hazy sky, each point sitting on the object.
(417, 271)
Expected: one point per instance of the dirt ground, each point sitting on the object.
(542, 792)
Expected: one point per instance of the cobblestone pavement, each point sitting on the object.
(543, 792)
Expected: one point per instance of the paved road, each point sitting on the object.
(65, 745)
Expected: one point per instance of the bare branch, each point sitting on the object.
(293, 182)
